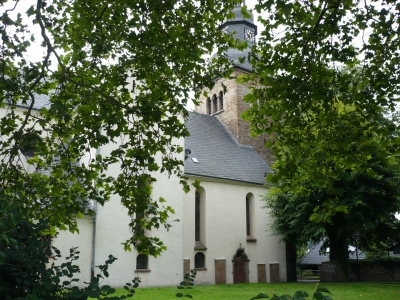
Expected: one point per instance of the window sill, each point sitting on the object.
(200, 269)
(216, 113)
(199, 246)
(251, 238)
(142, 270)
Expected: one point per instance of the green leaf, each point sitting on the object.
(323, 290)
(105, 288)
(4, 237)
(300, 294)
(260, 296)
(197, 184)
(2, 256)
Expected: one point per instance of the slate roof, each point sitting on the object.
(40, 102)
(235, 55)
(313, 257)
(219, 154)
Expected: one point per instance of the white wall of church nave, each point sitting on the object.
(21, 113)
(226, 230)
(112, 229)
(66, 240)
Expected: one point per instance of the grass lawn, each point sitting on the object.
(339, 291)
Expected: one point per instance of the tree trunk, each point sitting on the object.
(339, 254)
(291, 262)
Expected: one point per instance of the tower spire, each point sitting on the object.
(242, 28)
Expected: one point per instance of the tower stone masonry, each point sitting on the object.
(233, 105)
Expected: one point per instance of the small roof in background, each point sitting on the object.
(218, 153)
(394, 250)
(313, 257)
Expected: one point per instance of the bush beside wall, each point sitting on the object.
(365, 270)
(375, 270)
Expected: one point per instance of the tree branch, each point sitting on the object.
(8, 10)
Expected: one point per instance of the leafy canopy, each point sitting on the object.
(114, 73)
(314, 61)
(325, 75)
(312, 56)
(361, 213)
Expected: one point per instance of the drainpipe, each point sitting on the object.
(94, 231)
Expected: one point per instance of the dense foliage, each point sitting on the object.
(32, 269)
(365, 203)
(312, 57)
(114, 73)
(326, 72)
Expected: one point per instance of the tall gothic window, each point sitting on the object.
(215, 103)
(197, 218)
(221, 100)
(200, 220)
(250, 212)
(199, 260)
(139, 227)
(209, 106)
(139, 218)
(142, 262)
(248, 225)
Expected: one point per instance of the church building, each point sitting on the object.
(221, 228)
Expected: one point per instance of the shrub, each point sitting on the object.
(318, 294)
(307, 273)
(187, 284)
(25, 253)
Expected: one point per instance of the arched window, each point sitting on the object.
(200, 220)
(248, 225)
(199, 260)
(221, 100)
(142, 262)
(250, 212)
(142, 182)
(215, 104)
(139, 228)
(197, 218)
(208, 106)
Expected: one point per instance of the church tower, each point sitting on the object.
(230, 105)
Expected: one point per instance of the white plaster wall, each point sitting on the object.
(20, 112)
(112, 229)
(83, 240)
(226, 230)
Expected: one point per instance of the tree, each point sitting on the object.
(310, 56)
(365, 202)
(28, 271)
(314, 61)
(114, 72)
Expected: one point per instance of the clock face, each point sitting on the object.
(250, 35)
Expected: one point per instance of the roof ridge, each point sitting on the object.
(230, 134)
(309, 253)
(218, 152)
(224, 128)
